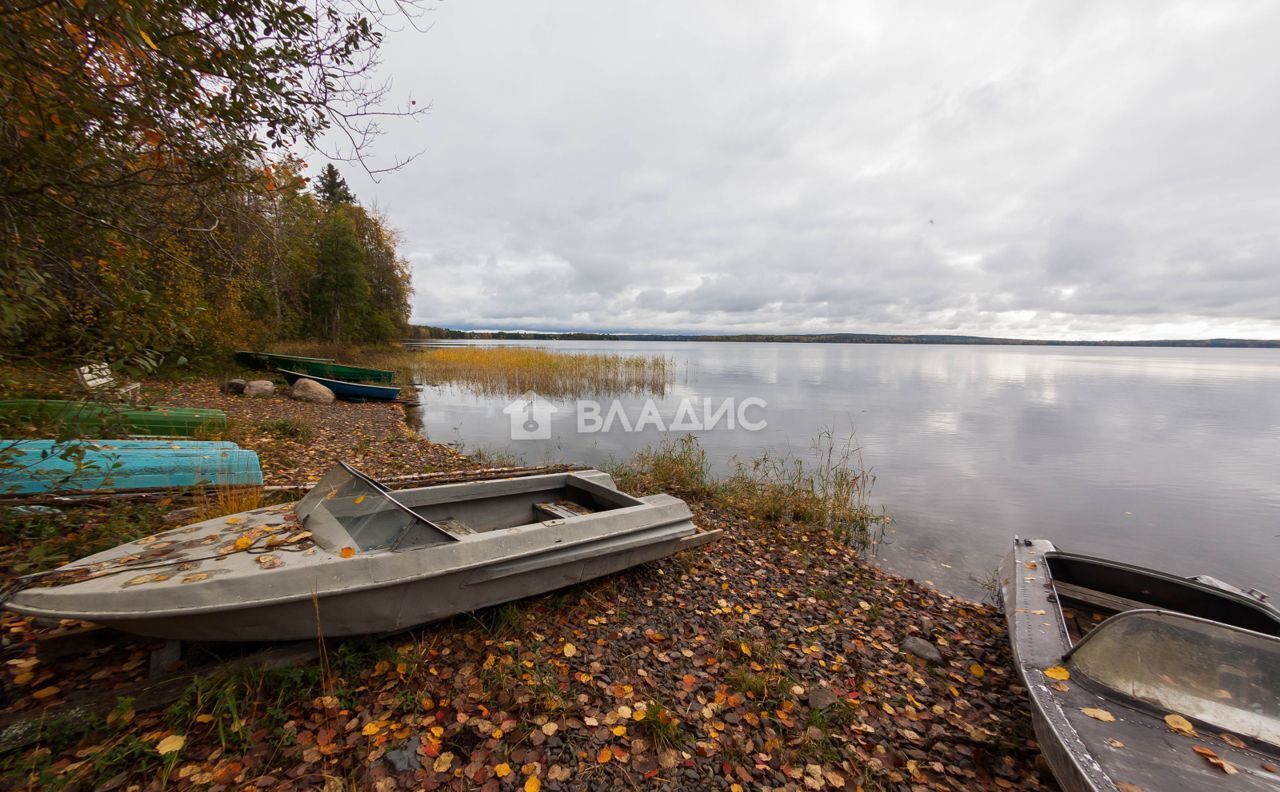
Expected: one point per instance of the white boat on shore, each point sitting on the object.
(353, 557)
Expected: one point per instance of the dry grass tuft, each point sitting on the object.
(829, 489)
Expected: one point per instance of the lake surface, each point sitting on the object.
(1163, 457)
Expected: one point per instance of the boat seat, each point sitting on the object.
(560, 510)
(454, 526)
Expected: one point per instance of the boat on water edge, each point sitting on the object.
(266, 361)
(341, 371)
(353, 557)
(350, 391)
(1143, 680)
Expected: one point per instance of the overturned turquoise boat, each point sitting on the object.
(83, 466)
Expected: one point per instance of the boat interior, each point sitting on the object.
(496, 512)
(1090, 590)
(348, 509)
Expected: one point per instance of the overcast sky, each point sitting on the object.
(1043, 169)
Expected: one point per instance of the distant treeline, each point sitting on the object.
(424, 332)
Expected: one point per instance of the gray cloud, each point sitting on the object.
(1051, 169)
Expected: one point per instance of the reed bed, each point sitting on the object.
(509, 371)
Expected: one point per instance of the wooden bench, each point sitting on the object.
(98, 380)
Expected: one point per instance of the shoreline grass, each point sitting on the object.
(831, 489)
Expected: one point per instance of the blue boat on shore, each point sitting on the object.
(37, 466)
(350, 391)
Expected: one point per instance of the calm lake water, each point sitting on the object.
(1163, 457)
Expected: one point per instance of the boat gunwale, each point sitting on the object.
(1047, 713)
(1167, 577)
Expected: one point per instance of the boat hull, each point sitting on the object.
(1080, 750)
(266, 361)
(501, 540)
(112, 466)
(394, 608)
(349, 391)
(342, 372)
(92, 418)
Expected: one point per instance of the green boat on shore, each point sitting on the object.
(269, 361)
(339, 371)
(315, 367)
(94, 418)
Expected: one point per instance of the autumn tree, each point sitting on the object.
(141, 139)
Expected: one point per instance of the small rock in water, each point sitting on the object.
(820, 698)
(257, 388)
(922, 649)
(235, 387)
(311, 391)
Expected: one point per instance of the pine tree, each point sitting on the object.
(332, 189)
(340, 299)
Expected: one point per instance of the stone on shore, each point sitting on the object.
(311, 391)
(922, 649)
(259, 388)
(820, 698)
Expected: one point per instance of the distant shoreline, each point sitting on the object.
(429, 333)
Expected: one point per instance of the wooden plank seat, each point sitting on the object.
(560, 510)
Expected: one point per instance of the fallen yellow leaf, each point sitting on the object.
(604, 757)
(503, 770)
(977, 670)
(619, 731)
(1057, 672)
(171, 744)
(45, 692)
(532, 784)
(443, 762)
(1215, 760)
(371, 728)
(570, 650)
(1099, 714)
(1180, 724)
(347, 552)
(1232, 740)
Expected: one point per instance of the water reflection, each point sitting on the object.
(1165, 457)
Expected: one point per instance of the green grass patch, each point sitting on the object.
(286, 429)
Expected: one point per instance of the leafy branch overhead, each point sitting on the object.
(147, 179)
